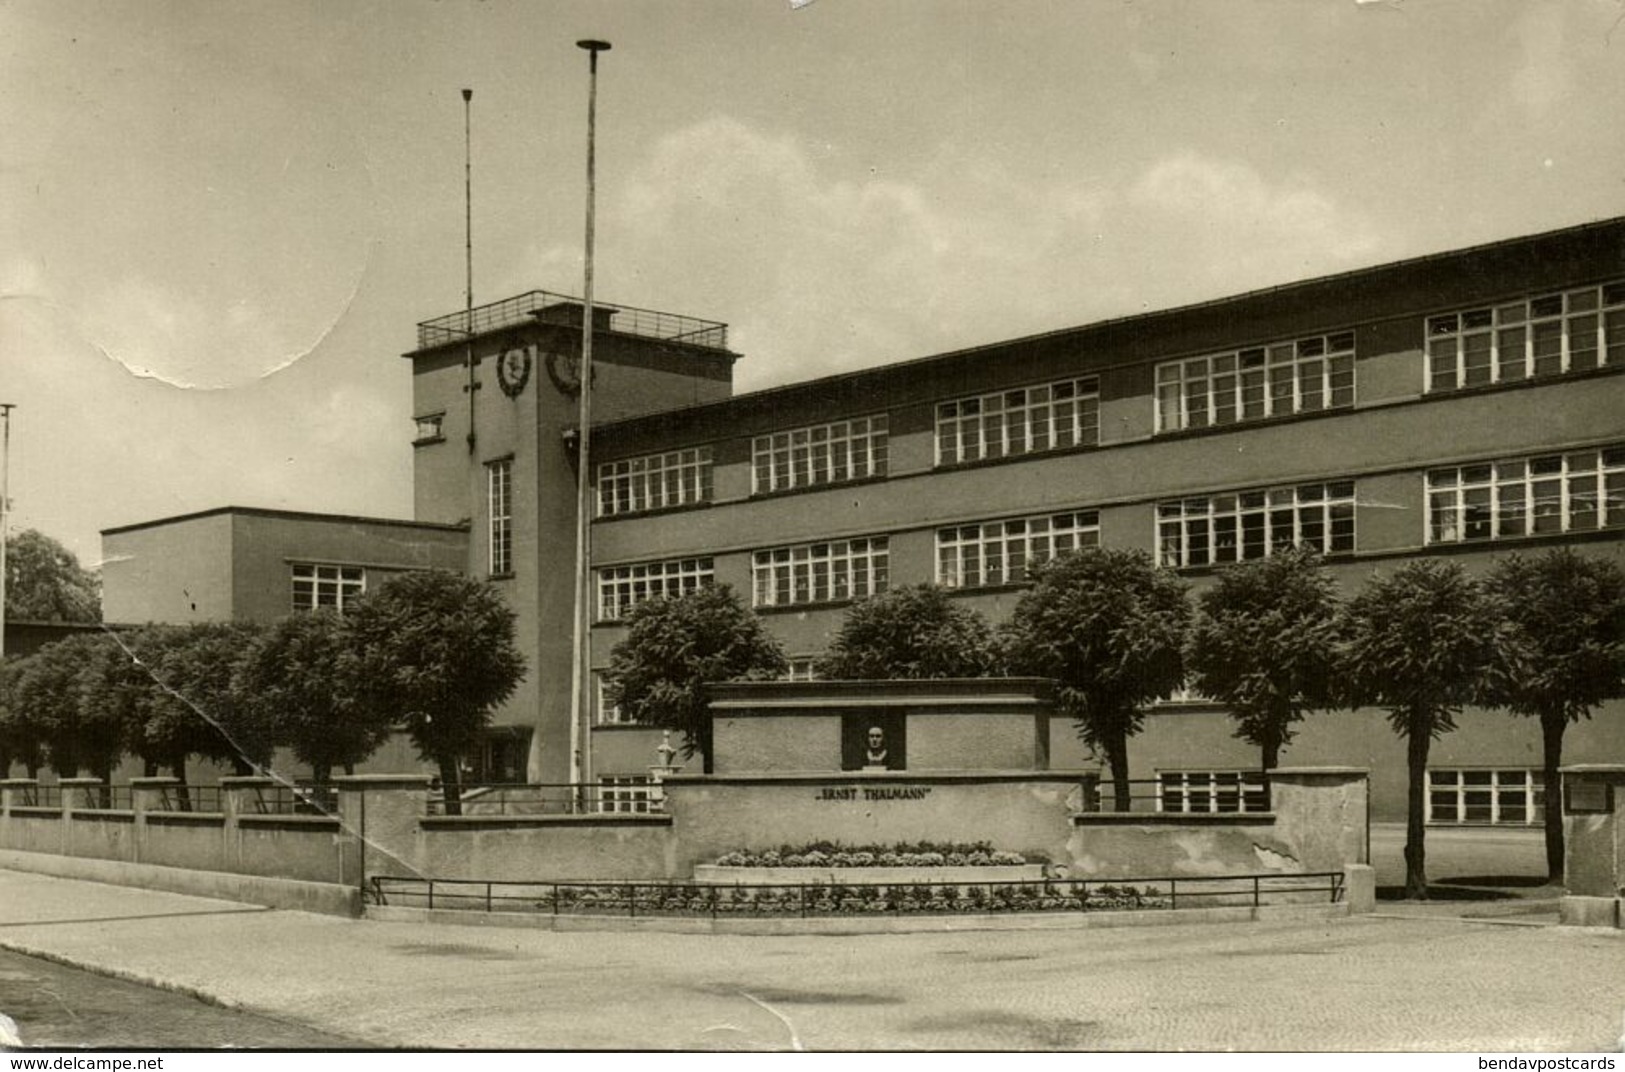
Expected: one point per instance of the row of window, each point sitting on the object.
(1578, 491)
(1305, 376)
(1572, 331)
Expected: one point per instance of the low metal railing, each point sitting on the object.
(812, 899)
(1225, 794)
(562, 308)
(562, 798)
(40, 796)
(294, 800)
(203, 799)
(104, 797)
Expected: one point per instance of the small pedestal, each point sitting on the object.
(1594, 845)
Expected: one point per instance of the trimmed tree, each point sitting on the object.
(294, 679)
(1422, 643)
(19, 735)
(1110, 628)
(190, 707)
(433, 651)
(674, 648)
(76, 735)
(912, 632)
(1265, 644)
(1566, 614)
(46, 583)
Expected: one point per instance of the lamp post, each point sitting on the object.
(580, 664)
(5, 509)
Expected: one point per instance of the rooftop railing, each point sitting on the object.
(563, 309)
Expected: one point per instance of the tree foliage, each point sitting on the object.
(75, 731)
(1109, 627)
(1566, 619)
(434, 651)
(1265, 643)
(46, 583)
(1423, 642)
(674, 648)
(193, 710)
(19, 735)
(912, 632)
(299, 679)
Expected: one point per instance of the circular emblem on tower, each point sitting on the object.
(513, 371)
(565, 372)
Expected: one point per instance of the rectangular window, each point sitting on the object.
(609, 712)
(1027, 420)
(1217, 529)
(1571, 331)
(820, 572)
(627, 793)
(499, 509)
(827, 454)
(676, 478)
(326, 587)
(1493, 797)
(1209, 792)
(1581, 491)
(801, 668)
(999, 552)
(1304, 376)
(429, 428)
(620, 588)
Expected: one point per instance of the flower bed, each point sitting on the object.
(838, 899)
(826, 854)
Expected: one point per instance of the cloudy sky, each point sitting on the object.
(219, 222)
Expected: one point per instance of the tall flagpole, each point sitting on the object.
(581, 664)
(468, 254)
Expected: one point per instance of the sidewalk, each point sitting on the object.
(1364, 983)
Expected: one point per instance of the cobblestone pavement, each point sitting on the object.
(1364, 983)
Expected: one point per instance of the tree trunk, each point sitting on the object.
(1271, 754)
(451, 785)
(321, 773)
(1117, 756)
(1552, 726)
(1416, 876)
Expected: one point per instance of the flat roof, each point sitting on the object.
(287, 515)
(1277, 291)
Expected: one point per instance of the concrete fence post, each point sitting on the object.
(1593, 845)
(146, 796)
(13, 791)
(381, 815)
(241, 795)
(79, 793)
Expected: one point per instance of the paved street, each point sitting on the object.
(1433, 982)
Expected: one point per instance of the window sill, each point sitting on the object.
(833, 485)
(1429, 394)
(508, 576)
(655, 511)
(793, 608)
(1031, 455)
(1174, 434)
(428, 441)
